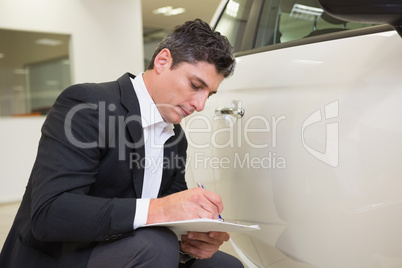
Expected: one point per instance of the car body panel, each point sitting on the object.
(315, 160)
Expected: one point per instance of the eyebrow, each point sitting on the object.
(201, 81)
(204, 84)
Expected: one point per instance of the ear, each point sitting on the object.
(163, 60)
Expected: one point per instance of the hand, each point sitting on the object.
(202, 245)
(194, 203)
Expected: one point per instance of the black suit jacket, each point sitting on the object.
(86, 177)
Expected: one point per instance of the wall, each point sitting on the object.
(106, 42)
(18, 147)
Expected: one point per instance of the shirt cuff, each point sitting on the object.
(141, 212)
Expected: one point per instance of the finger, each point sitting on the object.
(222, 236)
(203, 237)
(202, 200)
(198, 249)
(215, 238)
(210, 202)
(203, 245)
(215, 200)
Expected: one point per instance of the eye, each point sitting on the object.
(194, 86)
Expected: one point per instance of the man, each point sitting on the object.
(111, 159)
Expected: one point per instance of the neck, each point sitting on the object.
(148, 77)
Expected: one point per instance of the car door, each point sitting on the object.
(304, 138)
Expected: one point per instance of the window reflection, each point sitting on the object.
(233, 22)
(34, 69)
(289, 20)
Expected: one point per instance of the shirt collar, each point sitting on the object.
(150, 114)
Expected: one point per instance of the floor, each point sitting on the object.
(8, 211)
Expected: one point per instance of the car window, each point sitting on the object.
(280, 21)
(234, 20)
(287, 20)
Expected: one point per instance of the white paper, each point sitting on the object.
(203, 226)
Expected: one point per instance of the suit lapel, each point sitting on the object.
(133, 123)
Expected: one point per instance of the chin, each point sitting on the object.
(175, 119)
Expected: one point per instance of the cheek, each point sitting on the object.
(177, 95)
(175, 89)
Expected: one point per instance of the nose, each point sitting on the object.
(199, 100)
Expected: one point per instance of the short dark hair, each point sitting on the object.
(195, 41)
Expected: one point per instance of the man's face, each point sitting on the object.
(185, 89)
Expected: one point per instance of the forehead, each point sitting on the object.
(203, 72)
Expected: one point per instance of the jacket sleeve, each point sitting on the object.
(66, 168)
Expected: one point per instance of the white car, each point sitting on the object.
(305, 139)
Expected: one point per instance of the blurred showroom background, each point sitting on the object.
(47, 45)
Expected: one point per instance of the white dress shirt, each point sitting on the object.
(156, 133)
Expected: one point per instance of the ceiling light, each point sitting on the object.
(48, 42)
(169, 11)
(176, 11)
(162, 10)
(232, 8)
(305, 12)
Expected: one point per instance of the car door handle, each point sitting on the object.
(233, 111)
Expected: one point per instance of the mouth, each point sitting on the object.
(184, 111)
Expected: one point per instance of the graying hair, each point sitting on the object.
(195, 41)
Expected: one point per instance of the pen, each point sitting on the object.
(203, 187)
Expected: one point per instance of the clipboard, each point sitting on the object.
(203, 226)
